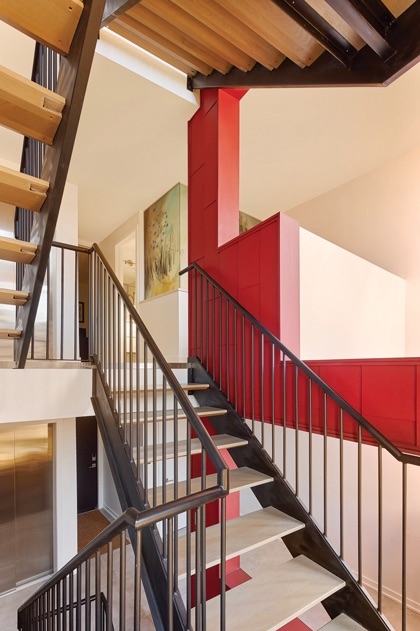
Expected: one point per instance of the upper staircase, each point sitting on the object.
(46, 110)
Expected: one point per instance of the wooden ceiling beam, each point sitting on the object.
(198, 31)
(165, 44)
(367, 68)
(179, 38)
(114, 8)
(220, 20)
(136, 38)
(321, 30)
(368, 22)
(276, 27)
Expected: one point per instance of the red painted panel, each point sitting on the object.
(211, 156)
(196, 236)
(229, 269)
(228, 167)
(389, 391)
(249, 254)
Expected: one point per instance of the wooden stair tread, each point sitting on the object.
(243, 534)
(202, 411)
(50, 23)
(222, 441)
(27, 107)
(276, 597)
(17, 251)
(10, 334)
(13, 297)
(24, 191)
(242, 478)
(342, 623)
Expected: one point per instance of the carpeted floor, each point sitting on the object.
(89, 525)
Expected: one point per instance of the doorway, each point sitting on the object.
(126, 265)
(87, 463)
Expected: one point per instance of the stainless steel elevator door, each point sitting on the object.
(7, 510)
(31, 534)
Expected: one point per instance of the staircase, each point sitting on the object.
(49, 118)
(175, 490)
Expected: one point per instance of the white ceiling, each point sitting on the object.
(295, 144)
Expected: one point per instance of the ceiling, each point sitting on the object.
(244, 43)
(296, 144)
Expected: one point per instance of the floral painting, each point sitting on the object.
(246, 222)
(162, 244)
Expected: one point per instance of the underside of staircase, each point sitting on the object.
(49, 117)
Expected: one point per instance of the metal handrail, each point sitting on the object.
(129, 518)
(402, 457)
(194, 420)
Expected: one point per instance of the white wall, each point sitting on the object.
(392, 503)
(166, 317)
(376, 216)
(349, 308)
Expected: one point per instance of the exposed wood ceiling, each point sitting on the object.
(274, 43)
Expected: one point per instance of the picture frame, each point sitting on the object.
(81, 312)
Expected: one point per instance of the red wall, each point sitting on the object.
(385, 391)
(259, 268)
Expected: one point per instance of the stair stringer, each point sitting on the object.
(309, 541)
(131, 494)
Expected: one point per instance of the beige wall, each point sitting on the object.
(377, 217)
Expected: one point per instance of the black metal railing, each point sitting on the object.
(355, 484)
(100, 589)
(61, 325)
(45, 73)
(158, 426)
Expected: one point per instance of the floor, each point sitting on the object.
(253, 563)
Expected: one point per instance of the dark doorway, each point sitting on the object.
(87, 463)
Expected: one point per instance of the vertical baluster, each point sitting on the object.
(198, 571)
(189, 518)
(176, 481)
(145, 422)
(235, 369)
(109, 588)
(76, 304)
(154, 433)
(65, 604)
(273, 412)
(47, 324)
(123, 582)
(98, 622)
(78, 598)
(380, 527)
(325, 466)
(220, 342)
(119, 366)
(71, 601)
(165, 535)
(297, 431)
(227, 351)
(341, 485)
(284, 417)
(58, 605)
(124, 368)
(404, 548)
(223, 564)
(138, 406)
(213, 335)
(262, 391)
(243, 371)
(359, 505)
(137, 584)
(207, 324)
(203, 511)
(253, 378)
(310, 454)
(109, 329)
(130, 368)
(201, 320)
(61, 307)
(170, 573)
(114, 349)
(196, 311)
(48, 611)
(87, 596)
